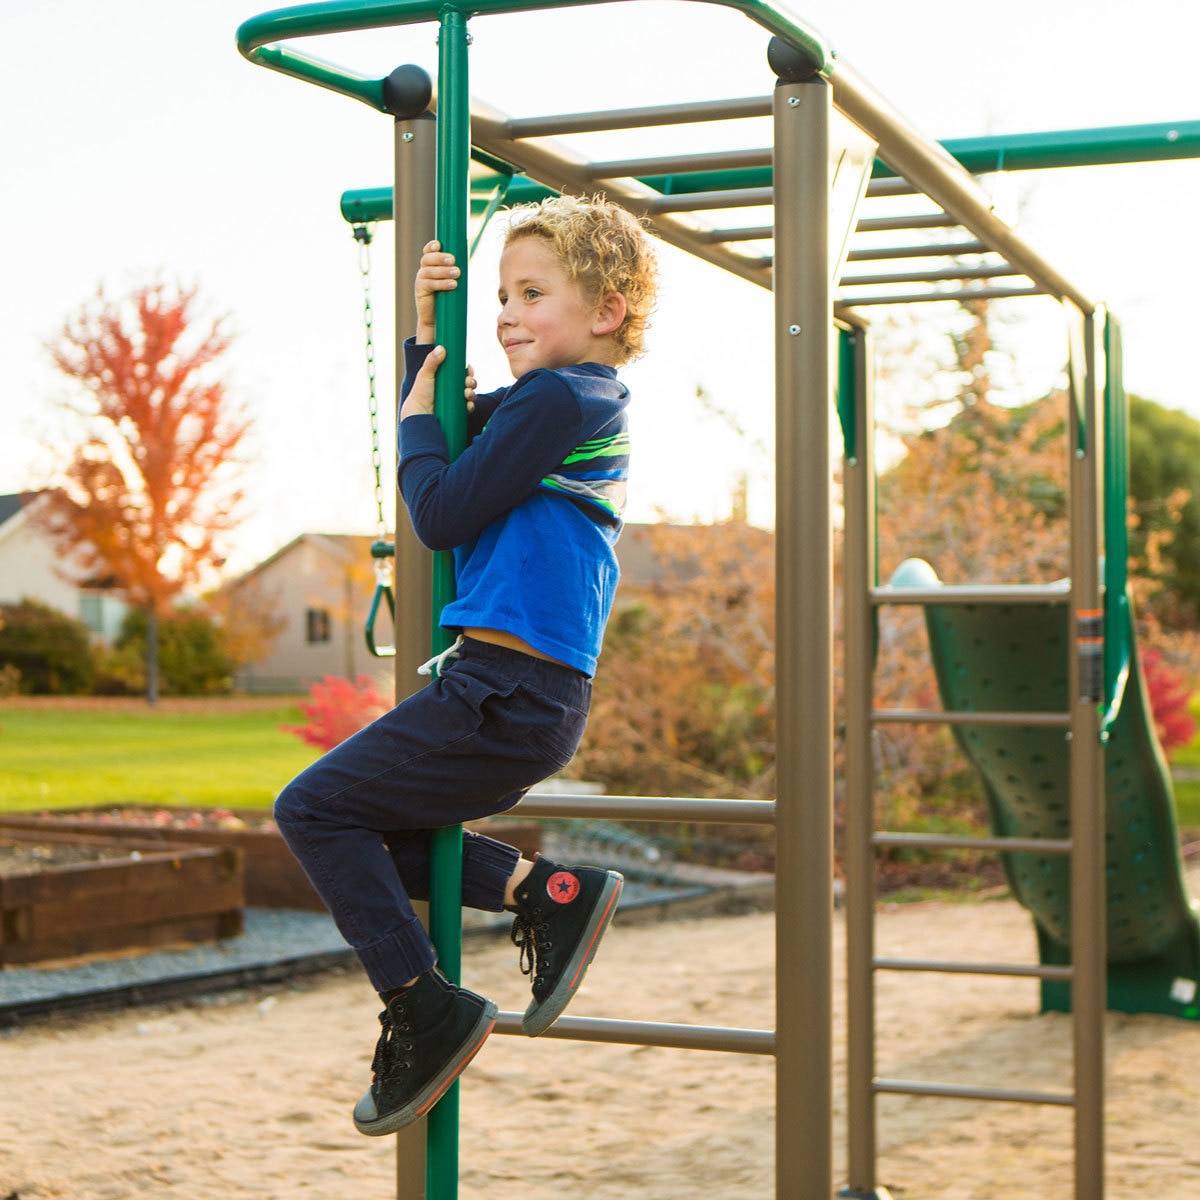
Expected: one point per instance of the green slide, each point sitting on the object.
(998, 657)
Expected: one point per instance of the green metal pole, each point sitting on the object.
(450, 314)
(1118, 651)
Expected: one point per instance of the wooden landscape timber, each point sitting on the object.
(273, 878)
(64, 894)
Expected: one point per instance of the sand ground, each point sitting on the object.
(250, 1095)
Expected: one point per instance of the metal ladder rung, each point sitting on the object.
(960, 295)
(646, 1033)
(950, 841)
(961, 968)
(1001, 593)
(938, 716)
(700, 201)
(940, 275)
(680, 164)
(939, 220)
(931, 250)
(951, 1091)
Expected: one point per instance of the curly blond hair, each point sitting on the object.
(602, 247)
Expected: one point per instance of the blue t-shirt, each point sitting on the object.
(531, 508)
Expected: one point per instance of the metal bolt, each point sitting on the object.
(406, 137)
(793, 330)
(793, 102)
(1080, 454)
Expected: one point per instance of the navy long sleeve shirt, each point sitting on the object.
(531, 508)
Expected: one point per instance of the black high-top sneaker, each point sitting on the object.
(562, 912)
(430, 1033)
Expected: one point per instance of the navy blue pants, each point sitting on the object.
(470, 744)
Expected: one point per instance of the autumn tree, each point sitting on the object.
(145, 499)
(1164, 480)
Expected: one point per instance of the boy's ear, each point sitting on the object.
(610, 314)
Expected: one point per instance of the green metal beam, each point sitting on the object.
(1110, 146)
(1072, 148)
(257, 37)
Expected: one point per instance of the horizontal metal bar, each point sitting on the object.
(890, 186)
(939, 716)
(954, 593)
(641, 118)
(950, 1091)
(923, 221)
(931, 250)
(697, 201)
(681, 164)
(950, 841)
(644, 1033)
(751, 233)
(937, 276)
(647, 808)
(964, 968)
(960, 296)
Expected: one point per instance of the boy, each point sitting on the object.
(531, 510)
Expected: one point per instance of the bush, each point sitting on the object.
(10, 681)
(51, 652)
(1169, 693)
(192, 659)
(337, 709)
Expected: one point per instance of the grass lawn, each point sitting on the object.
(1187, 803)
(84, 752)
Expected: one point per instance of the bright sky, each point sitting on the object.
(136, 143)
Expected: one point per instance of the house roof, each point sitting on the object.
(343, 546)
(12, 504)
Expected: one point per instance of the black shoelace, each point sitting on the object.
(390, 1051)
(528, 934)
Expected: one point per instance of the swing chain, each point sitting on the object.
(363, 236)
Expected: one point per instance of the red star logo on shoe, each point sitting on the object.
(562, 887)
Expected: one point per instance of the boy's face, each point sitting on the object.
(546, 318)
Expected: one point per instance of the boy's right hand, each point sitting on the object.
(437, 273)
(420, 398)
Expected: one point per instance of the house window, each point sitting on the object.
(318, 625)
(91, 611)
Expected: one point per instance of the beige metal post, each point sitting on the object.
(804, 645)
(858, 578)
(414, 215)
(1088, 915)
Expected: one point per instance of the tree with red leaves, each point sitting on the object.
(146, 498)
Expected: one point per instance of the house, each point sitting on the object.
(318, 588)
(30, 568)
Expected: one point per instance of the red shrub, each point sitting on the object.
(338, 708)
(1169, 695)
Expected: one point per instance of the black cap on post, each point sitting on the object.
(789, 64)
(407, 91)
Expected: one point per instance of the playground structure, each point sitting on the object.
(837, 147)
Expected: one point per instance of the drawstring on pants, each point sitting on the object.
(435, 665)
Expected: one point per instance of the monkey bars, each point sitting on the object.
(835, 142)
